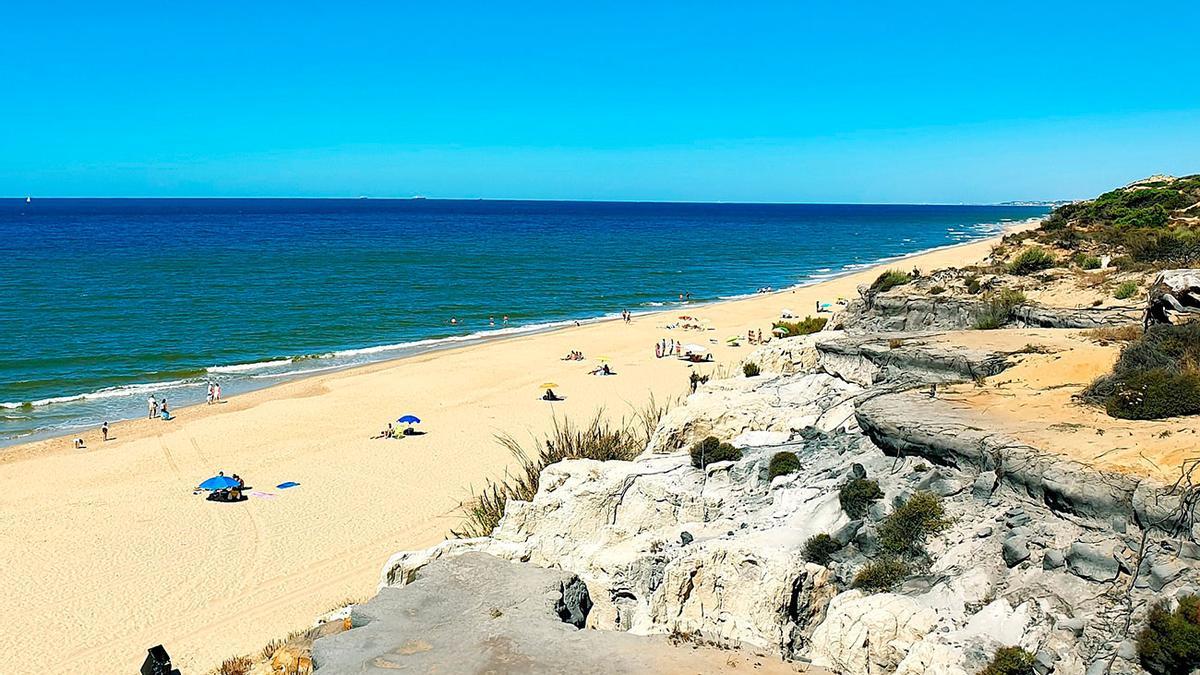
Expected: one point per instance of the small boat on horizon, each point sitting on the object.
(28, 199)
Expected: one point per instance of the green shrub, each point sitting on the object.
(1156, 376)
(1126, 290)
(1155, 394)
(712, 450)
(783, 463)
(750, 369)
(973, 284)
(906, 529)
(1169, 644)
(998, 309)
(857, 495)
(810, 324)
(1032, 259)
(1087, 262)
(889, 280)
(1010, 661)
(819, 548)
(881, 575)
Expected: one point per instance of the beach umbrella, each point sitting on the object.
(733, 338)
(218, 483)
(601, 358)
(547, 385)
(409, 419)
(779, 330)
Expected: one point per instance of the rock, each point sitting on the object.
(985, 484)
(1043, 661)
(857, 471)
(1118, 524)
(1094, 562)
(1018, 520)
(985, 531)
(1015, 550)
(846, 533)
(1053, 559)
(1174, 293)
(1072, 625)
(1164, 573)
(1127, 650)
(869, 633)
(1097, 668)
(685, 538)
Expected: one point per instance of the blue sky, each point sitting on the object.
(826, 102)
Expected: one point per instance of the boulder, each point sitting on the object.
(869, 633)
(1094, 562)
(1015, 550)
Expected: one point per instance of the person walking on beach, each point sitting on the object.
(209, 400)
(217, 392)
(104, 430)
(152, 405)
(162, 410)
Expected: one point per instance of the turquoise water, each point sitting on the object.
(103, 302)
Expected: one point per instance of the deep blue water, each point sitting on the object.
(105, 301)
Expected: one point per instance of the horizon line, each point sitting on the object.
(1044, 202)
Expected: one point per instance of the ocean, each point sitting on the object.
(106, 301)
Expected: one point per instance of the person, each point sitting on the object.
(695, 380)
(688, 295)
(152, 404)
(389, 432)
(750, 336)
(240, 483)
(217, 392)
(550, 395)
(760, 336)
(492, 321)
(79, 443)
(104, 430)
(505, 319)
(209, 399)
(163, 412)
(453, 321)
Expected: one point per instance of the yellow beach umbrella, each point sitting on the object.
(547, 385)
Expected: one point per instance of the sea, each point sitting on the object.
(104, 302)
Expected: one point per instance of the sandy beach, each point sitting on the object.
(109, 552)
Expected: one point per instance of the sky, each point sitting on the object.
(931, 102)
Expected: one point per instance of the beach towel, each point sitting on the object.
(284, 486)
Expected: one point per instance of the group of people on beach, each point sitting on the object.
(626, 316)
(666, 348)
(491, 321)
(158, 408)
(754, 339)
(573, 355)
(214, 393)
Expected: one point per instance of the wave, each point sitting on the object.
(249, 367)
(107, 392)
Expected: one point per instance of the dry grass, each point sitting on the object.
(598, 439)
(1126, 333)
(238, 665)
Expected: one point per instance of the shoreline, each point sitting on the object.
(110, 545)
(422, 346)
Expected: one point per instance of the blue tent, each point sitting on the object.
(409, 419)
(218, 483)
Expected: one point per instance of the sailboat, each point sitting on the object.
(28, 199)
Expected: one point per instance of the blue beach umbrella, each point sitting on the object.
(218, 483)
(409, 419)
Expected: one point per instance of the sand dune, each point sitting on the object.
(108, 552)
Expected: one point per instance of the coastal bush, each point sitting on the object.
(711, 450)
(997, 309)
(889, 280)
(1155, 394)
(1157, 375)
(857, 495)
(809, 325)
(819, 548)
(1126, 290)
(599, 439)
(1126, 333)
(906, 529)
(1032, 259)
(238, 665)
(783, 463)
(750, 369)
(1169, 644)
(881, 575)
(973, 284)
(1087, 262)
(1010, 661)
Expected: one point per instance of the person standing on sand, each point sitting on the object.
(217, 392)
(152, 405)
(104, 430)
(209, 399)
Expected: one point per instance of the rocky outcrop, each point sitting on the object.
(481, 614)
(905, 358)
(900, 312)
